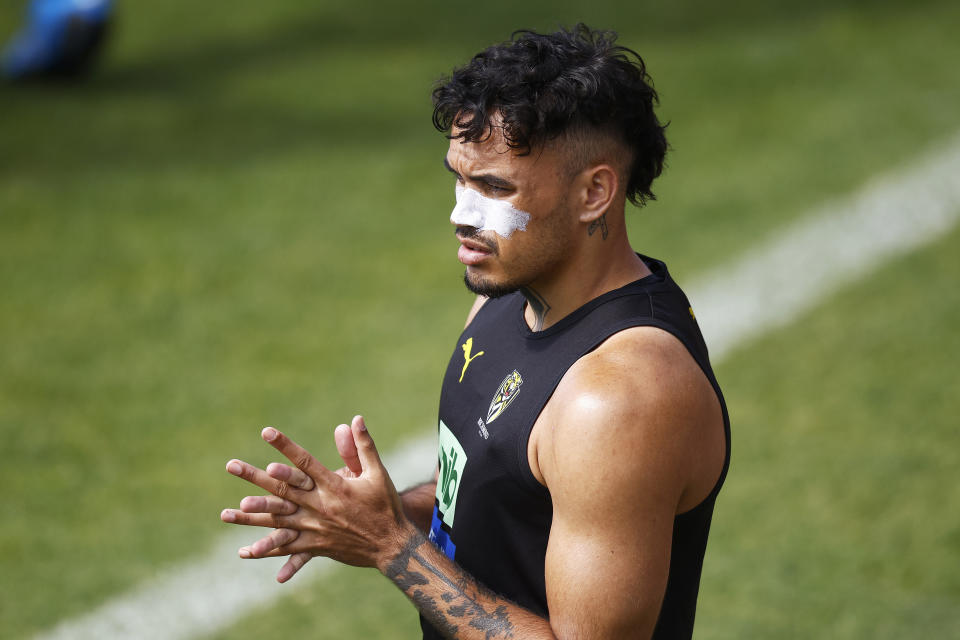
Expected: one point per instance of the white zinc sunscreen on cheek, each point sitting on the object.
(487, 214)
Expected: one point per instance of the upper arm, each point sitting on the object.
(616, 456)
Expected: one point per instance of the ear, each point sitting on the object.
(599, 186)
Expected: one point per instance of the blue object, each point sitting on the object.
(61, 37)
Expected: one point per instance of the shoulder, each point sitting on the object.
(617, 448)
(477, 305)
(640, 406)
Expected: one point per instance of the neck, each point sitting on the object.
(538, 306)
(585, 276)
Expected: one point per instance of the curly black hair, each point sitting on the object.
(545, 86)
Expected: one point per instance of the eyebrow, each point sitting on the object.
(490, 179)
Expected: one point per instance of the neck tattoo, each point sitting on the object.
(538, 305)
(599, 223)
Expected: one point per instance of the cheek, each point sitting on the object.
(521, 252)
(487, 214)
(547, 231)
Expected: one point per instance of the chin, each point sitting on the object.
(487, 287)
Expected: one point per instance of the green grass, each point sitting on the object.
(837, 520)
(240, 220)
(346, 603)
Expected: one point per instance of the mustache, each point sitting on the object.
(464, 232)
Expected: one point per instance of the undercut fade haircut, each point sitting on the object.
(573, 82)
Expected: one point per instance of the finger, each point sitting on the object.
(301, 458)
(366, 449)
(293, 477)
(259, 477)
(268, 504)
(294, 564)
(265, 545)
(297, 546)
(273, 521)
(347, 449)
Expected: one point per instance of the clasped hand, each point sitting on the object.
(352, 515)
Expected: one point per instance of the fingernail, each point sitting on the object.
(269, 434)
(244, 552)
(234, 467)
(227, 516)
(363, 424)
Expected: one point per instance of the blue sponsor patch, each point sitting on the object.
(439, 537)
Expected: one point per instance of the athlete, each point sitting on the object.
(582, 434)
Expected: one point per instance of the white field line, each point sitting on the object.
(833, 246)
(769, 286)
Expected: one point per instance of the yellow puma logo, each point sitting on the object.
(467, 358)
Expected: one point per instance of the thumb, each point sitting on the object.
(347, 449)
(366, 449)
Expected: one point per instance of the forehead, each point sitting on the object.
(493, 154)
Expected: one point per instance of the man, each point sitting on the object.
(583, 438)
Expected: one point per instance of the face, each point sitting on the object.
(536, 184)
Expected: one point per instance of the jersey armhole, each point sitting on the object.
(529, 480)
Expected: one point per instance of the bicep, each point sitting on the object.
(615, 459)
(606, 568)
(620, 448)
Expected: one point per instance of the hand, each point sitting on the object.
(352, 515)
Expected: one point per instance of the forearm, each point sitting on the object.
(418, 504)
(453, 601)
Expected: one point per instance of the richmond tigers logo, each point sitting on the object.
(505, 394)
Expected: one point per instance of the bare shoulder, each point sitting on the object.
(477, 305)
(640, 405)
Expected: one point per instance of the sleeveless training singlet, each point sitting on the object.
(491, 515)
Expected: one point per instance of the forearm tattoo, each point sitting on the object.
(599, 223)
(538, 305)
(464, 600)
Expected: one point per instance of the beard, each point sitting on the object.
(477, 283)
(524, 270)
(483, 287)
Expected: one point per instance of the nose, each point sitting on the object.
(467, 212)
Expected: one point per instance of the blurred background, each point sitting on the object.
(239, 218)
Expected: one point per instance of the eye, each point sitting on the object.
(495, 189)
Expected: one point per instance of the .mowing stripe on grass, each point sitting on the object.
(833, 246)
(781, 278)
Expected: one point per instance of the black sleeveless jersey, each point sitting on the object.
(491, 515)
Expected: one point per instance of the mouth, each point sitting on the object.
(473, 248)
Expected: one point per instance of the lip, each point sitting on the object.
(471, 256)
(471, 251)
(474, 245)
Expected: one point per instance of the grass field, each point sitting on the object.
(240, 220)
